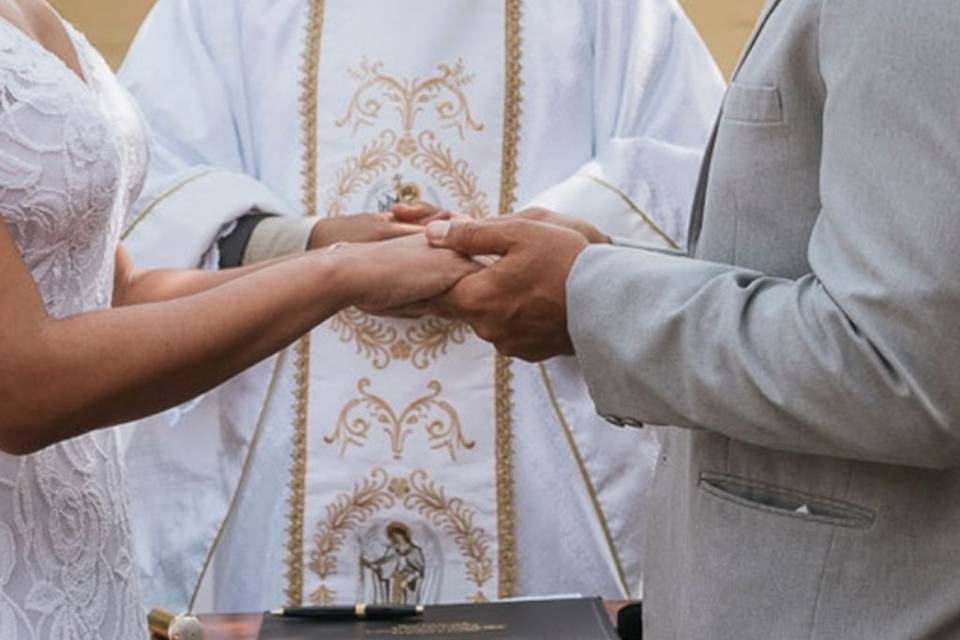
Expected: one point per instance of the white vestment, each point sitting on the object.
(292, 476)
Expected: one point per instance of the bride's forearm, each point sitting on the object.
(114, 366)
(60, 378)
(132, 287)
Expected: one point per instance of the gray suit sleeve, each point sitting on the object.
(860, 358)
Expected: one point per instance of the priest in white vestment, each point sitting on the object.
(403, 440)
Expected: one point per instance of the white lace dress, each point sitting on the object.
(72, 157)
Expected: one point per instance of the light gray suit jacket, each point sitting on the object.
(811, 354)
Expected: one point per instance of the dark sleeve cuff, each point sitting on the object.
(233, 246)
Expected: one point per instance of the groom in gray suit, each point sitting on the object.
(807, 352)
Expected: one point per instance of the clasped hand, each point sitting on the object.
(506, 277)
(518, 301)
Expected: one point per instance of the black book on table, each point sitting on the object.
(572, 619)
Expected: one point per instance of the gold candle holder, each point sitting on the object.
(167, 625)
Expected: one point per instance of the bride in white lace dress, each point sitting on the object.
(87, 342)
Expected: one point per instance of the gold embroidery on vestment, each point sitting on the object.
(410, 97)
(470, 201)
(406, 192)
(507, 560)
(378, 95)
(416, 493)
(437, 417)
(298, 466)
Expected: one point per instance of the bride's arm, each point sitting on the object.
(61, 378)
(136, 287)
(131, 286)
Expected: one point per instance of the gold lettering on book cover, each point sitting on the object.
(438, 629)
(416, 493)
(403, 103)
(359, 418)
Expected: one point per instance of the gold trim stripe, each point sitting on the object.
(507, 561)
(298, 467)
(636, 208)
(506, 517)
(298, 474)
(512, 107)
(309, 106)
(164, 196)
(587, 480)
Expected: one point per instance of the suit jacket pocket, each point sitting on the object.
(758, 105)
(786, 502)
(745, 553)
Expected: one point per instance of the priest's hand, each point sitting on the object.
(401, 272)
(421, 213)
(584, 228)
(403, 220)
(518, 302)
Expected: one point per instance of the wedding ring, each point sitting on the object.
(337, 246)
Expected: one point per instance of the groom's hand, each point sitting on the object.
(519, 302)
(590, 232)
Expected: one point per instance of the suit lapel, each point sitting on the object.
(700, 198)
(765, 14)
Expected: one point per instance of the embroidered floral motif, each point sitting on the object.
(420, 118)
(370, 415)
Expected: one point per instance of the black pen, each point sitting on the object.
(358, 612)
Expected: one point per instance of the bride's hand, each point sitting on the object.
(397, 273)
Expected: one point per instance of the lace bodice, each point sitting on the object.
(72, 157)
